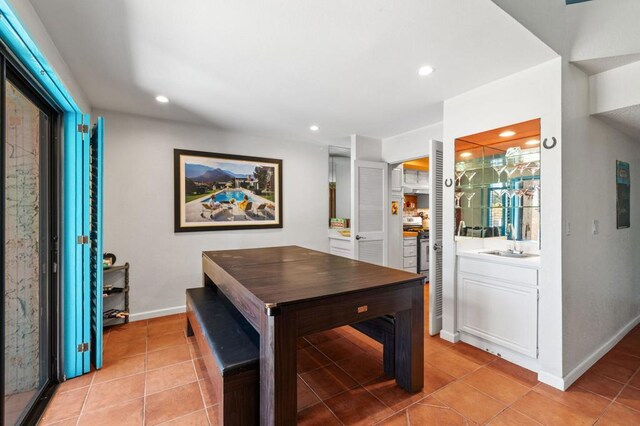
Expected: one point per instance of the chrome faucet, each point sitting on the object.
(461, 226)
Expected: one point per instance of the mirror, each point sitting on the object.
(497, 177)
(339, 183)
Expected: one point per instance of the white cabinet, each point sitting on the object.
(499, 303)
(396, 181)
(411, 176)
(341, 247)
(410, 254)
(423, 178)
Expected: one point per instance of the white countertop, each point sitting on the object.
(335, 235)
(532, 262)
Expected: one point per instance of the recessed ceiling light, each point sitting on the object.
(162, 99)
(314, 128)
(465, 154)
(507, 134)
(532, 142)
(425, 70)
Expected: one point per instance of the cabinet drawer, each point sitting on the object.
(410, 251)
(499, 271)
(340, 252)
(410, 241)
(340, 244)
(410, 262)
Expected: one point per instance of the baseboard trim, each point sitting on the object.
(449, 337)
(157, 313)
(552, 380)
(598, 353)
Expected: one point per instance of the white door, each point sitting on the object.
(435, 238)
(369, 200)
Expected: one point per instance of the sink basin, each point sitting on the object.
(509, 253)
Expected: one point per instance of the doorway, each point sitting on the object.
(29, 234)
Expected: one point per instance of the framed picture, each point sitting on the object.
(217, 192)
(623, 195)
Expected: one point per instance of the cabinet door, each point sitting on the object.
(500, 312)
(411, 176)
(396, 180)
(423, 178)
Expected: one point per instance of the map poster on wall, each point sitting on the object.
(215, 192)
(623, 201)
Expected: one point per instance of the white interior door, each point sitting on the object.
(435, 237)
(369, 224)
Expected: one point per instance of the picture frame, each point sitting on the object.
(623, 195)
(222, 192)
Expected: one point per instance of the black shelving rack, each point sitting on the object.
(115, 293)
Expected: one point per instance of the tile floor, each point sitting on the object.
(153, 374)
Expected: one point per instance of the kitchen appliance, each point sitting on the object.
(409, 222)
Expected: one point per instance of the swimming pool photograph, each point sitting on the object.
(216, 191)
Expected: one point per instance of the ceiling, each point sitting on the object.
(276, 67)
(491, 143)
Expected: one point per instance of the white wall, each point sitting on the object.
(343, 186)
(410, 145)
(601, 273)
(138, 202)
(530, 94)
(603, 28)
(32, 23)
(615, 88)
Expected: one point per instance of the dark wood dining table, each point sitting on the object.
(289, 292)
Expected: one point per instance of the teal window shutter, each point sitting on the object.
(95, 237)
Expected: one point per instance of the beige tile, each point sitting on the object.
(197, 418)
(470, 402)
(453, 364)
(549, 412)
(114, 392)
(430, 411)
(172, 403)
(165, 340)
(583, 401)
(76, 383)
(128, 413)
(387, 391)
(511, 417)
(317, 415)
(328, 381)
(358, 407)
(64, 405)
(601, 385)
(170, 377)
(619, 415)
(496, 385)
(114, 369)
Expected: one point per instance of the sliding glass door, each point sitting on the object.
(28, 234)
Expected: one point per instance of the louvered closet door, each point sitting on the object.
(435, 238)
(369, 212)
(95, 237)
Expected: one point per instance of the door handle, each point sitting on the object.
(358, 237)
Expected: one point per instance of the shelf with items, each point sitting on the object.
(115, 295)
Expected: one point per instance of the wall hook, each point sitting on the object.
(553, 143)
(448, 182)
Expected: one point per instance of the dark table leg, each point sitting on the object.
(278, 405)
(410, 344)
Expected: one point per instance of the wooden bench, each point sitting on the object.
(230, 348)
(382, 329)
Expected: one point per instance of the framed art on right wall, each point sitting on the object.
(623, 195)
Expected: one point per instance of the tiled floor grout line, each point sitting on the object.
(86, 397)
(144, 391)
(204, 403)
